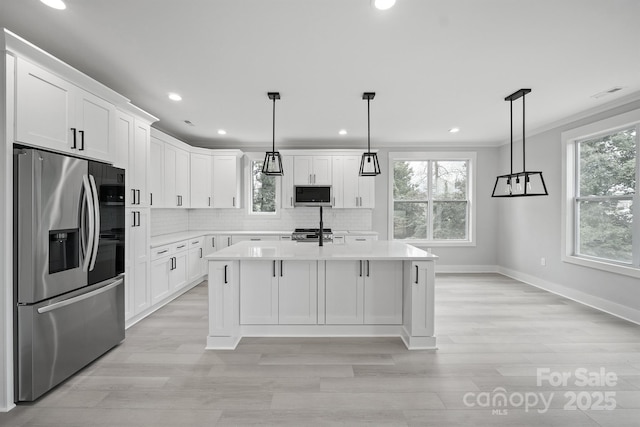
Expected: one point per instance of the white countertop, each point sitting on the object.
(166, 239)
(278, 250)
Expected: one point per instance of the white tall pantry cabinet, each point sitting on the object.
(132, 148)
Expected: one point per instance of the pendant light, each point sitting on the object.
(369, 165)
(525, 183)
(272, 164)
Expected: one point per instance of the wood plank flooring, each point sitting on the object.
(494, 333)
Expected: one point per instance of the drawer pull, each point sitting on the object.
(181, 246)
(162, 252)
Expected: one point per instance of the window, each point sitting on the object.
(601, 190)
(431, 197)
(262, 189)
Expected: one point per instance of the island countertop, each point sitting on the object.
(278, 250)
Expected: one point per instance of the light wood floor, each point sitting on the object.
(493, 332)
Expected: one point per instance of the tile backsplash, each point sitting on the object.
(165, 221)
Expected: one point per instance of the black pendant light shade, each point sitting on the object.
(369, 165)
(272, 164)
(525, 183)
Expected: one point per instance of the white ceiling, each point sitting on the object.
(434, 64)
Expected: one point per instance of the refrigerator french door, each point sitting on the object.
(68, 266)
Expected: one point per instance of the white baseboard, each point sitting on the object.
(466, 268)
(615, 309)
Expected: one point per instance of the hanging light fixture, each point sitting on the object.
(272, 164)
(525, 183)
(369, 165)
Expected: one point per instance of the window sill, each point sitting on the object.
(603, 265)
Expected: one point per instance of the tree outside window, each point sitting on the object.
(430, 200)
(263, 190)
(606, 184)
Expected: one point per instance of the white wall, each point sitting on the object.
(481, 257)
(530, 228)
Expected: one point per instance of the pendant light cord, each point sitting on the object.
(524, 168)
(273, 137)
(368, 127)
(511, 117)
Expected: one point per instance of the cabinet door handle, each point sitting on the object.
(291, 201)
(416, 274)
(138, 193)
(200, 252)
(257, 239)
(138, 212)
(281, 269)
(274, 268)
(368, 268)
(209, 201)
(360, 268)
(213, 242)
(133, 223)
(133, 196)
(234, 202)
(360, 240)
(74, 146)
(225, 274)
(81, 140)
(228, 241)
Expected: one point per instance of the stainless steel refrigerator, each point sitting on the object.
(68, 266)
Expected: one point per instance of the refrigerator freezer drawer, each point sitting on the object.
(57, 339)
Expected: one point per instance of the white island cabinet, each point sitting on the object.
(283, 288)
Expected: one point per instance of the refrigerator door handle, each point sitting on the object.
(79, 298)
(87, 239)
(96, 230)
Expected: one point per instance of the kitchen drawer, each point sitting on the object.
(254, 238)
(162, 251)
(180, 246)
(361, 238)
(196, 242)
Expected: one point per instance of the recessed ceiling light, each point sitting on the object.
(174, 96)
(56, 4)
(383, 4)
(454, 130)
(222, 132)
(342, 132)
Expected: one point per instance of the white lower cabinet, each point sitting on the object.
(363, 292)
(197, 263)
(137, 295)
(419, 297)
(223, 300)
(168, 270)
(278, 292)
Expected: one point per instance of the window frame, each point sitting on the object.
(570, 194)
(431, 156)
(250, 158)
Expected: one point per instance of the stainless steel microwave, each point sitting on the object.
(312, 195)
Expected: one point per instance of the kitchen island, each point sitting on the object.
(276, 289)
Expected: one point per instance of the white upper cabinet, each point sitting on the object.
(156, 173)
(55, 114)
(176, 177)
(312, 170)
(357, 191)
(139, 161)
(132, 154)
(226, 181)
(287, 182)
(201, 180)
